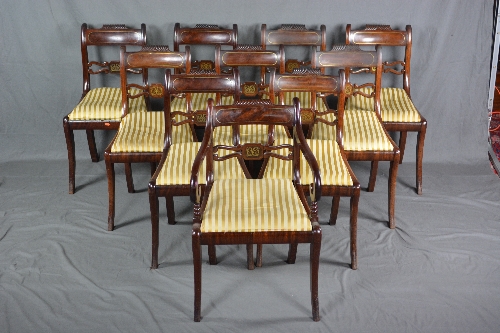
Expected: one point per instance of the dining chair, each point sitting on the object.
(337, 178)
(254, 211)
(364, 136)
(173, 175)
(99, 108)
(140, 137)
(397, 109)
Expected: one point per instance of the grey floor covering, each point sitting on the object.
(61, 271)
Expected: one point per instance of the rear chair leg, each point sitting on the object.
(92, 146)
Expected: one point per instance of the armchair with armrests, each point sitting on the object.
(254, 211)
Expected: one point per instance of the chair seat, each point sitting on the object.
(144, 132)
(362, 132)
(332, 167)
(105, 104)
(395, 105)
(177, 167)
(253, 205)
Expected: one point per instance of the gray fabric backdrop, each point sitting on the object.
(61, 271)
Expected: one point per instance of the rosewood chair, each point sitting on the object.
(397, 109)
(295, 40)
(100, 108)
(364, 136)
(140, 137)
(173, 175)
(200, 38)
(337, 178)
(254, 211)
(249, 57)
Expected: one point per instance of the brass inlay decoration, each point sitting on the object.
(206, 65)
(114, 67)
(307, 116)
(156, 90)
(253, 151)
(348, 89)
(291, 65)
(250, 89)
(200, 118)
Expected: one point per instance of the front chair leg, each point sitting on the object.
(110, 170)
(393, 172)
(402, 144)
(70, 144)
(420, 156)
(197, 275)
(155, 239)
(169, 203)
(92, 146)
(373, 176)
(259, 256)
(315, 248)
(250, 262)
(354, 231)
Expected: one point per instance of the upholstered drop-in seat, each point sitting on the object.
(362, 132)
(395, 105)
(177, 168)
(105, 104)
(327, 152)
(253, 205)
(143, 132)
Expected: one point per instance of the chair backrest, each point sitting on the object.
(293, 35)
(189, 85)
(108, 35)
(204, 34)
(317, 84)
(248, 56)
(254, 112)
(353, 59)
(384, 35)
(153, 56)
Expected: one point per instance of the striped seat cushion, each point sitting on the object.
(248, 134)
(105, 104)
(395, 105)
(362, 132)
(252, 205)
(198, 101)
(144, 132)
(177, 167)
(332, 167)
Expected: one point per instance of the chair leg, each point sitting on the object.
(70, 144)
(292, 253)
(259, 256)
(155, 239)
(169, 203)
(314, 272)
(373, 176)
(335, 210)
(92, 146)
(128, 176)
(354, 231)
(420, 156)
(212, 255)
(402, 144)
(197, 275)
(250, 262)
(393, 173)
(110, 170)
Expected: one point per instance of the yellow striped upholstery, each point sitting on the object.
(323, 131)
(144, 132)
(198, 101)
(362, 132)
(177, 168)
(250, 205)
(105, 104)
(248, 134)
(395, 105)
(331, 165)
(305, 100)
